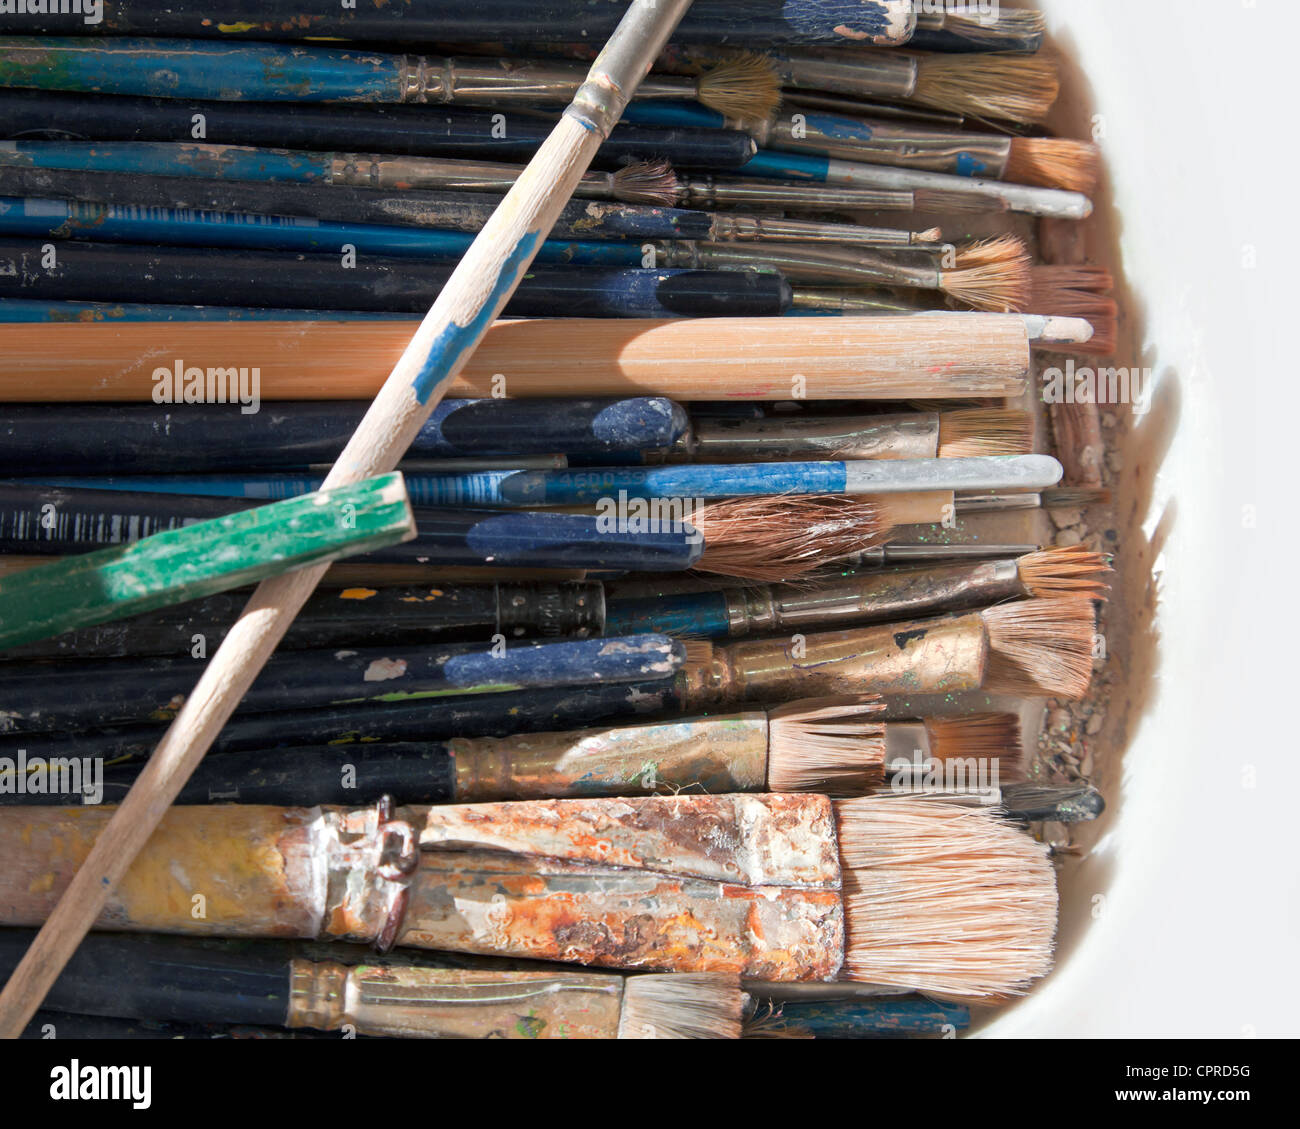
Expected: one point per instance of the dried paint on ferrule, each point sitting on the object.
(902, 436)
(715, 755)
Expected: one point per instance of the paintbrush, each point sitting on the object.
(674, 488)
(380, 281)
(346, 205)
(829, 745)
(1049, 162)
(799, 534)
(995, 195)
(957, 356)
(878, 22)
(1079, 291)
(792, 887)
(108, 438)
(450, 332)
(94, 693)
(995, 29)
(872, 597)
(183, 980)
(1060, 498)
(183, 69)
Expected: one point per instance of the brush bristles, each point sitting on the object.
(682, 1005)
(1078, 292)
(945, 900)
(983, 736)
(944, 202)
(1054, 162)
(991, 275)
(775, 538)
(646, 182)
(1075, 497)
(978, 28)
(826, 745)
(972, 432)
(1069, 571)
(747, 87)
(1017, 88)
(1040, 647)
(699, 653)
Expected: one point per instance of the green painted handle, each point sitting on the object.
(205, 558)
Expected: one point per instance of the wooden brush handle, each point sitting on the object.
(474, 295)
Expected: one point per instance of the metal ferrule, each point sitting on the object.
(879, 74)
(367, 858)
(900, 146)
(400, 1001)
(902, 554)
(473, 81)
(715, 755)
(738, 226)
(851, 301)
(363, 170)
(996, 503)
(795, 438)
(873, 598)
(801, 262)
(624, 62)
(709, 192)
(929, 656)
(863, 107)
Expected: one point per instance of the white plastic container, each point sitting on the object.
(1184, 918)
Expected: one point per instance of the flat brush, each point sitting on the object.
(92, 692)
(411, 207)
(442, 131)
(959, 356)
(993, 195)
(873, 597)
(380, 282)
(186, 981)
(1079, 291)
(879, 22)
(1049, 162)
(784, 887)
(184, 69)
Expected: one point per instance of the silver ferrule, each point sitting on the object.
(709, 192)
(880, 74)
(996, 503)
(794, 438)
(774, 229)
(804, 262)
(851, 301)
(984, 474)
(491, 82)
(624, 62)
(908, 554)
(861, 107)
(365, 170)
(853, 139)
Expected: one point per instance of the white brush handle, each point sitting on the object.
(473, 296)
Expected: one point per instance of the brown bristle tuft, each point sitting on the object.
(1054, 162)
(1061, 276)
(1072, 570)
(682, 1005)
(698, 652)
(1074, 497)
(1078, 292)
(1104, 340)
(946, 900)
(1017, 88)
(747, 87)
(826, 745)
(646, 182)
(993, 274)
(971, 432)
(774, 538)
(984, 736)
(1040, 647)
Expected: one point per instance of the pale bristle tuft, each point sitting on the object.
(984, 736)
(699, 652)
(1054, 162)
(972, 432)
(826, 745)
(747, 87)
(946, 202)
(682, 1005)
(779, 537)
(1040, 647)
(1072, 570)
(1010, 22)
(929, 235)
(946, 900)
(1017, 88)
(991, 275)
(646, 182)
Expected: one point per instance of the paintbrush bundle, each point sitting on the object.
(672, 615)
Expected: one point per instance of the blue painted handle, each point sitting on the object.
(160, 158)
(889, 1017)
(691, 613)
(788, 166)
(670, 112)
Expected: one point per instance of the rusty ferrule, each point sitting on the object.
(926, 656)
(366, 860)
(403, 1001)
(902, 436)
(712, 754)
